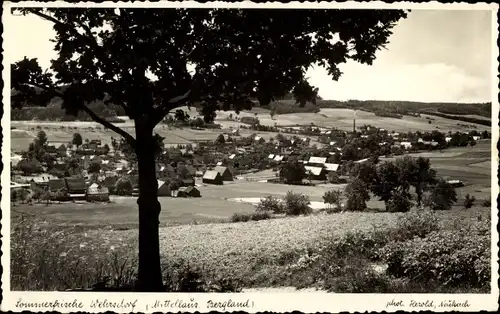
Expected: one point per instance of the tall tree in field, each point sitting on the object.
(77, 139)
(140, 59)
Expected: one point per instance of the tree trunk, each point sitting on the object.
(418, 190)
(149, 276)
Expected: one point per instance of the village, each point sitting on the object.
(90, 171)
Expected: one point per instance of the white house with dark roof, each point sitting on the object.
(317, 160)
(331, 167)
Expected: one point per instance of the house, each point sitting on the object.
(110, 181)
(40, 182)
(271, 156)
(164, 189)
(406, 145)
(278, 158)
(361, 161)
(15, 159)
(212, 177)
(331, 167)
(317, 160)
(62, 150)
(191, 170)
(235, 132)
(189, 191)
(16, 186)
(316, 173)
(97, 193)
(447, 139)
(333, 143)
(476, 138)
(219, 163)
(187, 182)
(225, 173)
(56, 185)
(76, 187)
(232, 156)
(455, 183)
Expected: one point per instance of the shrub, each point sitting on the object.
(357, 195)
(250, 120)
(486, 203)
(270, 204)
(442, 196)
(123, 187)
(260, 216)
(297, 204)
(415, 224)
(352, 274)
(469, 201)
(333, 197)
(344, 264)
(333, 178)
(399, 202)
(244, 217)
(452, 258)
(292, 172)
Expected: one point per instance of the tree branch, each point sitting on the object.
(129, 138)
(47, 17)
(172, 103)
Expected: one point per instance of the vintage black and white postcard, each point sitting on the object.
(196, 157)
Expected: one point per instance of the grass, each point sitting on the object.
(255, 253)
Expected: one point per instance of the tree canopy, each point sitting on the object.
(106, 53)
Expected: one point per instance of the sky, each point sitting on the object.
(432, 56)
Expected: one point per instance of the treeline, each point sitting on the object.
(55, 112)
(464, 109)
(393, 109)
(461, 118)
(284, 107)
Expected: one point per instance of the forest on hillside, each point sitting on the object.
(395, 109)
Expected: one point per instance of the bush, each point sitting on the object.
(452, 258)
(486, 203)
(292, 172)
(270, 204)
(123, 187)
(260, 216)
(399, 202)
(333, 178)
(344, 264)
(442, 196)
(415, 224)
(469, 201)
(297, 204)
(357, 195)
(244, 217)
(333, 197)
(250, 120)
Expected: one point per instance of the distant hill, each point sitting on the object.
(287, 104)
